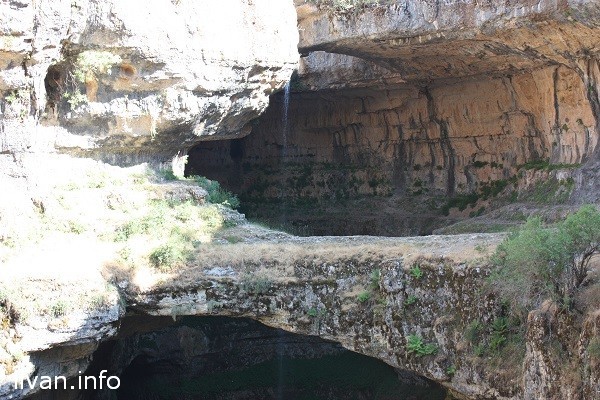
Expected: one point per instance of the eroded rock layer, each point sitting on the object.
(393, 147)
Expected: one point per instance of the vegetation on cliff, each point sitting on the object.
(538, 262)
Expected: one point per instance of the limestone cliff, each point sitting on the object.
(403, 117)
(111, 78)
(398, 107)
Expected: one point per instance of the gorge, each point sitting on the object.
(433, 127)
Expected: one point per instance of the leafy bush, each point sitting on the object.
(59, 309)
(90, 62)
(364, 296)
(410, 300)
(167, 256)
(499, 333)
(416, 271)
(535, 262)
(415, 345)
(375, 276)
(255, 284)
(451, 370)
(216, 194)
(594, 348)
(473, 332)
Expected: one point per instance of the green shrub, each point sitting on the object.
(255, 284)
(416, 346)
(90, 63)
(364, 296)
(375, 276)
(451, 370)
(410, 300)
(499, 333)
(416, 271)
(461, 201)
(535, 262)
(167, 256)
(479, 350)
(59, 309)
(594, 348)
(316, 312)
(216, 194)
(473, 332)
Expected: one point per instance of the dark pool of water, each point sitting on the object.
(344, 376)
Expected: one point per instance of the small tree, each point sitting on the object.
(536, 262)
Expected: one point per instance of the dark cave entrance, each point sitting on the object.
(214, 358)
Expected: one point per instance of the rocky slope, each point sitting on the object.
(373, 296)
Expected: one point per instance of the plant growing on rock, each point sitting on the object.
(410, 300)
(364, 296)
(375, 276)
(536, 262)
(499, 333)
(255, 284)
(216, 194)
(416, 271)
(416, 346)
(91, 63)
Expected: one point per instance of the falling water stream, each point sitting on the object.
(284, 151)
(286, 108)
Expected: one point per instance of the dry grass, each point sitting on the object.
(280, 261)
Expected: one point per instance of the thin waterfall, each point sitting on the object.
(286, 108)
(284, 151)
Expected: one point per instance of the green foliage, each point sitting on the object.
(233, 239)
(416, 271)
(364, 296)
(255, 284)
(416, 346)
(410, 300)
(535, 262)
(479, 350)
(59, 309)
(75, 99)
(544, 165)
(168, 255)
(594, 348)
(461, 201)
(375, 276)
(451, 370)
(316, 312)
(499, 333)
(480, 164)
(493, 188)
(91, 63)
(17, 95)
(216, 194)
(473, 332)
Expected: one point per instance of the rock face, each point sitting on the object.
(400, 107)
(414, 303)
(238, 358)
(113, 78)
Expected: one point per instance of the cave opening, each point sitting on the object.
(306, 177)
(213, 357)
